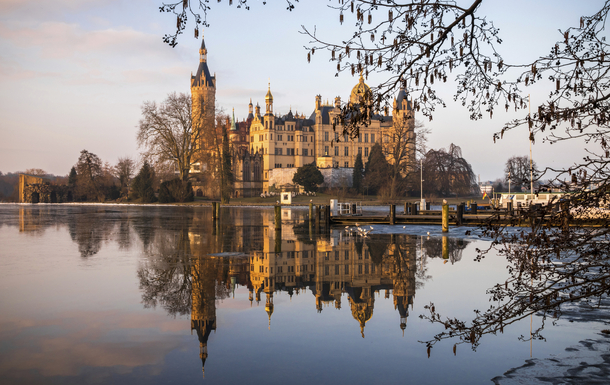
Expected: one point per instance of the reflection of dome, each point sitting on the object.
(361, 312)
(359, 91)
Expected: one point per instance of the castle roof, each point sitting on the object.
(203, 76)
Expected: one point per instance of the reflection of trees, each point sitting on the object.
(433, 248)
(88, 231)
(165, 277)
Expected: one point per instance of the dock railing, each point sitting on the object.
(348, 208)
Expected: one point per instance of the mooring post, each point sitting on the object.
(392, 214)
(278, 217)
(317, 216)
(565, 216)
(214, 214)
(445, 217)
(509, 208)
(218, 210)
(406, 208)
(460, 214)
(473, 208)
(414, 208)
(327, 217)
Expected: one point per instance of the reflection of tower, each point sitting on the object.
(269, 306)
(403, 276)
(203, 314)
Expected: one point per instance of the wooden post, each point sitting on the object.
(214, 213)
(392, 214)
(327, 217)
(509, 208)
(278, 217)
(460, 214)
(317, 216)
(414, 208)
(565, 216)
(474, 208)
(445, 218)
(406, 208)
(218, 210)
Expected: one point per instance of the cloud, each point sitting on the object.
(89, 339)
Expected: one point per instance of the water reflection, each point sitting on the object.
(190, 262)
(196, 262)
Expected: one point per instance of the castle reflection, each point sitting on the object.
(247, 251)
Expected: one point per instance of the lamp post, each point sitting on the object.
(422, 203)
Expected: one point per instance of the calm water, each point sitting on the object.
(128, 294)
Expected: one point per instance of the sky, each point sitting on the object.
(75, 73)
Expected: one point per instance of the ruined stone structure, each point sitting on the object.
(36, 189)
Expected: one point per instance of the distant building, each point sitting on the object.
(267, 149)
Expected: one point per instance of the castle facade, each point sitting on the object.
(267, 149)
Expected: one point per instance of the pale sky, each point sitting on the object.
(74, 74)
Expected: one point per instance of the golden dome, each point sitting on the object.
(359, 91)
(269, 97)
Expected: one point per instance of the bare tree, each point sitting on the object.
(166, 133)
(35, 171)
(446, 172)
(401, 144)
(517, 170)
(124, 171)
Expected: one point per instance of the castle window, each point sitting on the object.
(336, 151)
(266, 151)
(266, 124)
(265, 136)
(346, 164)
(326, 136)
(366, 151)
(336, 136)
(360, 150)
(326, 150)
(279, 137)
(271, 136)
(252, 138)
(345, 151)
(372, 138)
(305, 151)
(366, 138)
(345, 137)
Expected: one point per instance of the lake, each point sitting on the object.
(153, 295)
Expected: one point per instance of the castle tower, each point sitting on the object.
(203, 94)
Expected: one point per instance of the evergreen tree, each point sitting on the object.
(377, 170)
(142, 187)
(358, 174)
(226, 177)
(309, 177)
(72, 177)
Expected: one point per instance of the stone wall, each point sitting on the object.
(337, 177)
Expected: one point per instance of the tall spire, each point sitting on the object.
(203, 52)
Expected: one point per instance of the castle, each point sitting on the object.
(267, 149)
